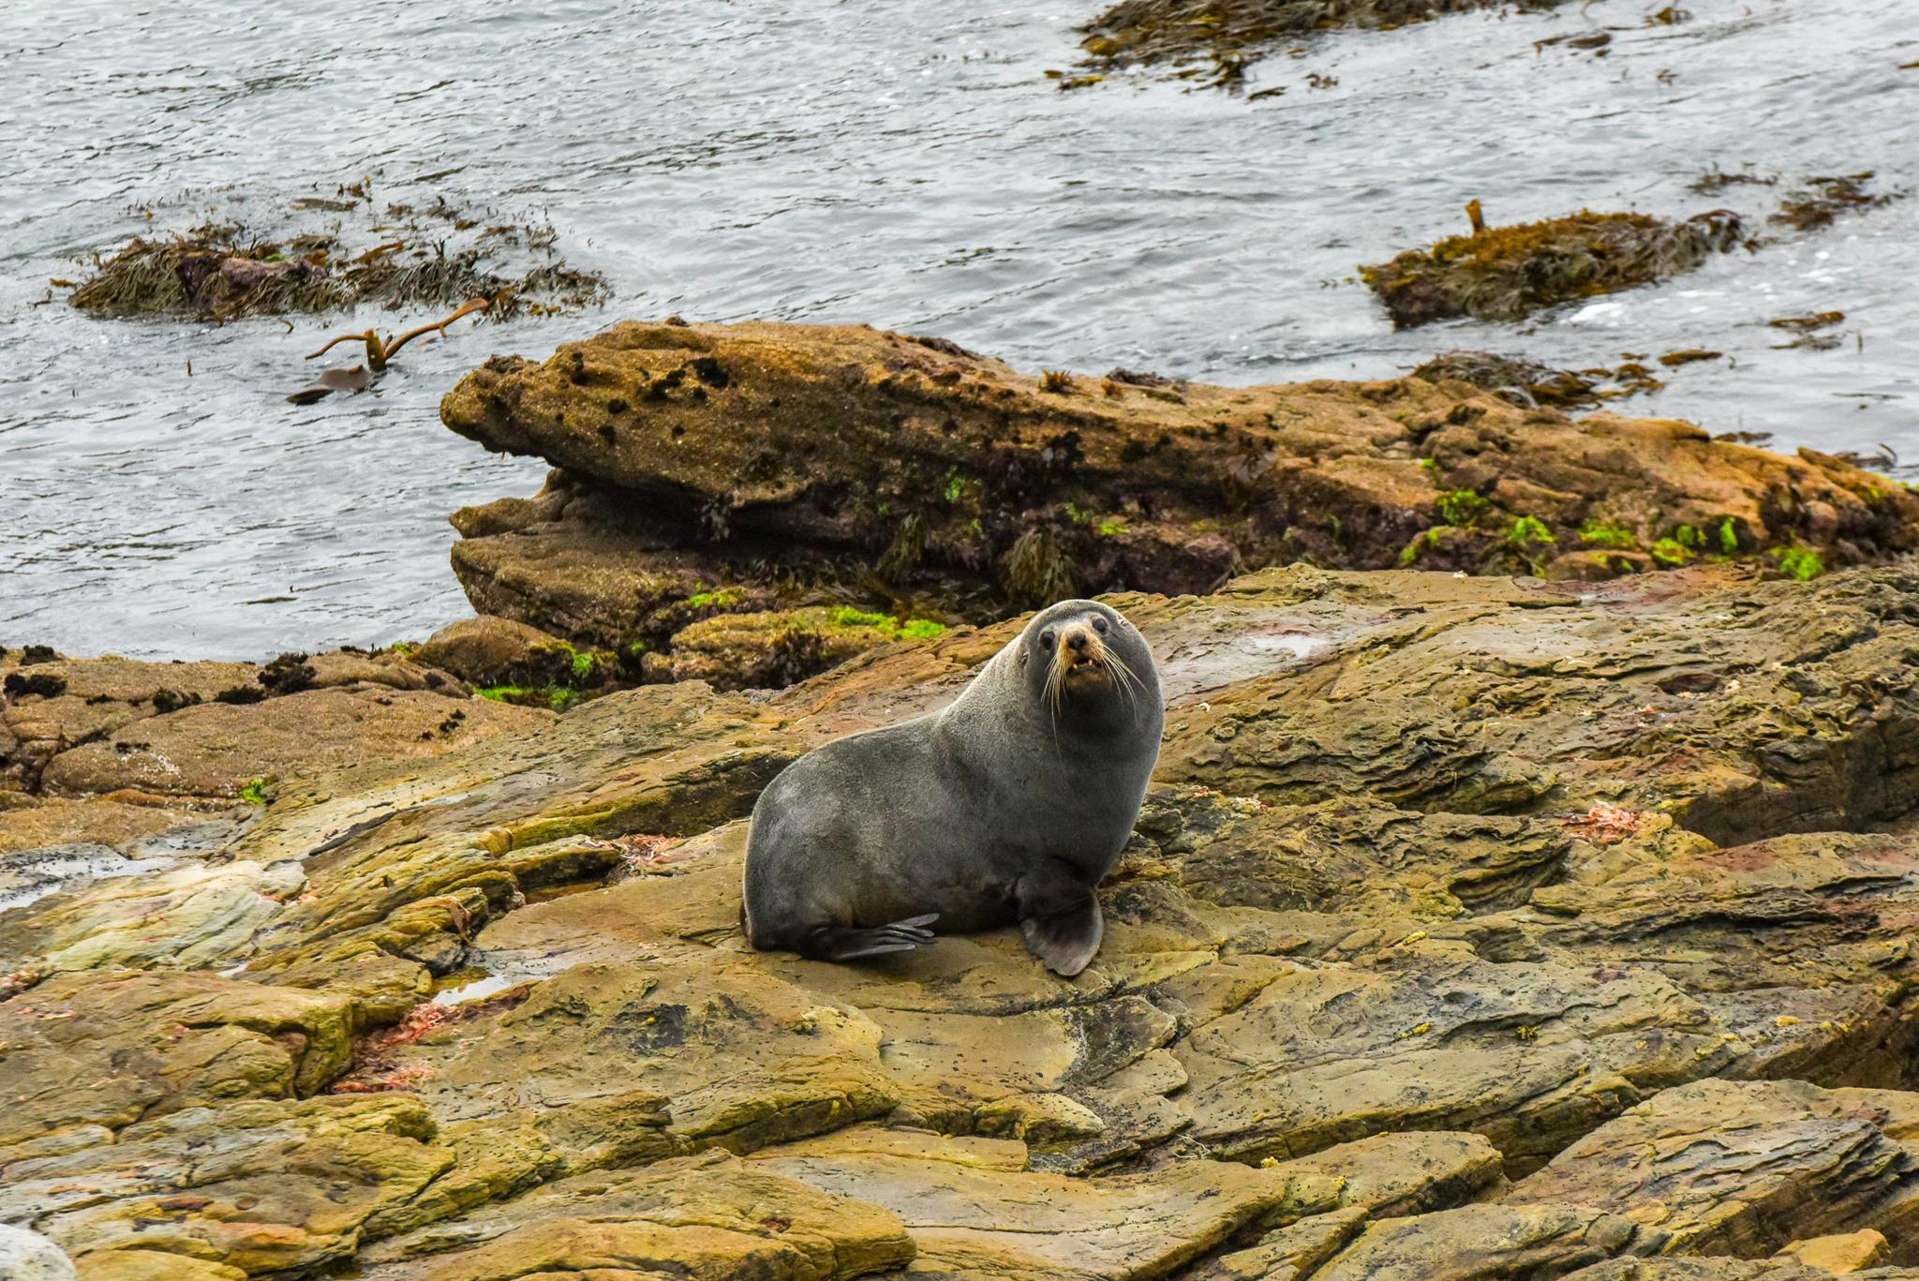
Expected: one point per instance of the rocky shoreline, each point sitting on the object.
(1526, 889)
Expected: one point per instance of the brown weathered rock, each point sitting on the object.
(1784, 1160)
(489, 651)
(971, 1220)
(703, 461)
(215, 749)
(35, 822)
(97, 696)
(152, 1265)
(1840, 1254)
(1723, 1270)
(1485, 1242)
(1424, 899)
(149, 1044)
(705, 1216)
(264, 1186)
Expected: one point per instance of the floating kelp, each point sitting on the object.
(1807, 330)
(1233, 33)
(1506, 273)
(378, 352)
(1823, 199)
(1715, 180)
(399, 256)
(1689, 356)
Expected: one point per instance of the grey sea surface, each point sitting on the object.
(897, 162)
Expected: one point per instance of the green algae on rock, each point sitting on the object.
(1232, 32)
(1507, 273)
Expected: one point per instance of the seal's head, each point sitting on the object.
(1082, 657)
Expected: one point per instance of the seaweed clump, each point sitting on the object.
(1822, 200)
(399, 256)
(1513, 379)
(1234, 32)
(1507, 273)
(1529, 384)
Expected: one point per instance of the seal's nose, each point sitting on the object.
(1077, 641)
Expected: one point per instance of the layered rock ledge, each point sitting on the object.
(760, 469)
(1474, 928)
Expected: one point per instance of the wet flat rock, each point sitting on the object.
(1470, 930)
(729, 468)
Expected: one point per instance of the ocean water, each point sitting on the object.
(897, 162)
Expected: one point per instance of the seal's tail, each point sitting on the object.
(843, 943)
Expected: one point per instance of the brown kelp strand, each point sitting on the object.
(1821, 200)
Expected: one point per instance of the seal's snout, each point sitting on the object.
(1079, 644)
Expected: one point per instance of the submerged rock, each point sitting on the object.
(708, 470)
(1507, 273)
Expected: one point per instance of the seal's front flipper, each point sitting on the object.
(844, 943)
(1061, 923)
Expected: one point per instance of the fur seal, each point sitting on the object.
(1008, 805)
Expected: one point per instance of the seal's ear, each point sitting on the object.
(1022, 655)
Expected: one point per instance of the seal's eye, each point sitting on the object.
(1046, 640)
(1099, 624)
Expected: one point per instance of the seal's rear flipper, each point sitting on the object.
(843, 943)
(1066, 941)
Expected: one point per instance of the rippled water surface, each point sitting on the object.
(894, 161)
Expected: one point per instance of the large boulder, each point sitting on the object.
(739, 468)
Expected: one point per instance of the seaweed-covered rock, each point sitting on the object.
(735, 469)
(1507, 273)
(1237, 31)
(328, 253)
